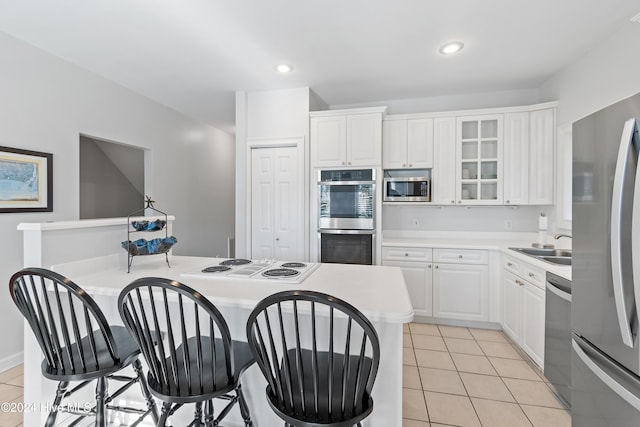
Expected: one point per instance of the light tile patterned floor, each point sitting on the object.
(473, 378)
(451, 377)
(11, 393)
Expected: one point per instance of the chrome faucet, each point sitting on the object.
(557, 236)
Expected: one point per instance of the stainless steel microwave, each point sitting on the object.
(407, 189)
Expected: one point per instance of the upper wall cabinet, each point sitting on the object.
(407, 144)
(479, 154)
(499, 156)
(346, 137)
(529, 153)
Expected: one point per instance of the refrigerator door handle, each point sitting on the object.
(618, 389)
(635, 221)
(616, 231)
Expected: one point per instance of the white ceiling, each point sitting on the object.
(192, 55)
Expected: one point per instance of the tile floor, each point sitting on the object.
(11, 391)
(451, 377)
(467, 377)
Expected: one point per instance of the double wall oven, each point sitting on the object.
(346, 216)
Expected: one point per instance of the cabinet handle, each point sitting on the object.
(459, 201)
(410, 165)
(406, 254)
(404, 165)
(460, 256)
(277, 239)
(349, 163)
(343, 163)
(519, 282)
(531, 274)
(429, 265)
(436, 266)
(453, 201)
(509, 264)
(507, 202)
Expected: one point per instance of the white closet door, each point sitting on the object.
(275, 210)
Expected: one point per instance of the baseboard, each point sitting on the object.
(455, 322)
(11, 361)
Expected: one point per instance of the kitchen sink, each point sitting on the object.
(553, 256)
(563, 260)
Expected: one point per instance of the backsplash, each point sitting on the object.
(462, 218)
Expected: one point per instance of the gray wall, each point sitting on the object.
(47, 103)
(105, 190)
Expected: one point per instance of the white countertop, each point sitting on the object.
(378, 292)
(488, 241)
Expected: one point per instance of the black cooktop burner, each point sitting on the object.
(293, 265)
(236, 261)
(216, 269)
(280, 272)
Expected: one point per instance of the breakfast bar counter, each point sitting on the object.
(378, 292)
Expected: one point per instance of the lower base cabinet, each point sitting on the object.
(444, 283)
(419, 281)
(523, 315)
(461, 291)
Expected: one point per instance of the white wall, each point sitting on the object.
(608, 73)
(267, 115)
(47, 103)
(469, 101)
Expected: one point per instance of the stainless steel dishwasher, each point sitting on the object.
(557, 337)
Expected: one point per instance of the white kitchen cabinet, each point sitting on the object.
(479, 160)
(276, 213)
(516, 158)
(529, 153)
(511, 314)
(416, 267)
(419, 281)
(408, 144)
(461, 291)
(329, 140)
(394, 144)
(542, 157)
(461, 284)
(533, 305)
(444, 154)
(524, 306)
(346, 138)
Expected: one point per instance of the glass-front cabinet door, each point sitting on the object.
(479, 155)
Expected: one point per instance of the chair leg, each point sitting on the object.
(244, 408)
(62, 389)
(151, 404)
(197, 415)
(166, 408)
(209, 419)
(101, 400)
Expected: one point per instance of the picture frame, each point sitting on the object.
(26, 180)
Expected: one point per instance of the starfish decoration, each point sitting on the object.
(149, 202)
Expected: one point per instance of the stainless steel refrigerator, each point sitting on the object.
(605, 363)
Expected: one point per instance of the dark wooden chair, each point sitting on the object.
(77, 342)
(319, 355)
(196, 360)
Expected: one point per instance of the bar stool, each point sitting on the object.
(196, 361)
(77, 342)
(319, 355)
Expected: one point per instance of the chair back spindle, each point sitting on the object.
(71, 330)
(183, 337)
(319, 355)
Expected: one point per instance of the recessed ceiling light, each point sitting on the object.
(451, 48)
(284, 68)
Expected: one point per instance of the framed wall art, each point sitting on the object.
(26, 181)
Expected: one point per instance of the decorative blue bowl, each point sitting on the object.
(149, 247)
(156, 225)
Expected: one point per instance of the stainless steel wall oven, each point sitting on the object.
(346, 215)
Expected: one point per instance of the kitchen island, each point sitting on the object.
(378, 292)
